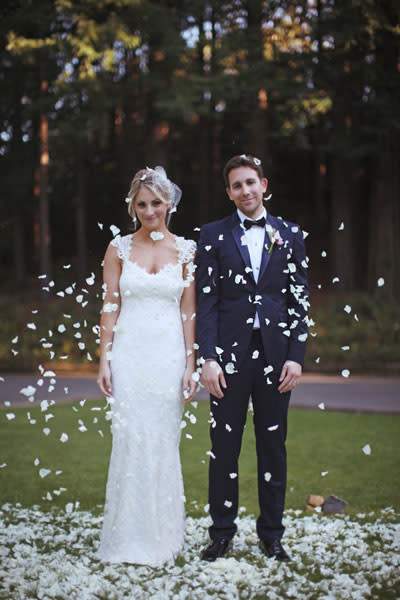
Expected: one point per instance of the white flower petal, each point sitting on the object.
(367, 449)
(114, 230)
(157, 235)
(44, 472)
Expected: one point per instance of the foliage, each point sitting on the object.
(355, 332)
(23, 348)
(371, 330)
(307, 86)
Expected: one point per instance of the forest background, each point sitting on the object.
(91, 91)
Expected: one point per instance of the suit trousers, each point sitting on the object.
(229, 414)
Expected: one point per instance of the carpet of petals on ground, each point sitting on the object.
(50, 555)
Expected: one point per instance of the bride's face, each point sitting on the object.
(150, 210)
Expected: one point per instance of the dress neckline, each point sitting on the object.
(166, 265)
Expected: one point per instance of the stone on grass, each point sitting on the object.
(313, 501)
(333, 504)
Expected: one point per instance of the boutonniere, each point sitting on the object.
(274, 237)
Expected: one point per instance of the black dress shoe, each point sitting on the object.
(216, 549)
(275, 550)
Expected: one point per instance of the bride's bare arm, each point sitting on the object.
(109, 315)
(188, 312)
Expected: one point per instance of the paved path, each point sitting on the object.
(357, 393)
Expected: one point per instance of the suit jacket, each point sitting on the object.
(228, 296)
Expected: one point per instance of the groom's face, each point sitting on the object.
(246, 190)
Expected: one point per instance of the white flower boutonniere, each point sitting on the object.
(274, 237)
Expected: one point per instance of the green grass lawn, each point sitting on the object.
(318, 441)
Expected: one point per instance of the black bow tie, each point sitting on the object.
(249, 223)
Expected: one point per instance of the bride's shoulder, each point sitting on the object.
(186, 249)
(121, 243)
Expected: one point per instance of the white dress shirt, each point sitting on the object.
(254, 237)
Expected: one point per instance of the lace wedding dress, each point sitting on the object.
(144, 510)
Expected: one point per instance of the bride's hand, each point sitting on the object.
(104, 380)
(188, 385)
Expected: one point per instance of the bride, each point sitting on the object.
(147, 362)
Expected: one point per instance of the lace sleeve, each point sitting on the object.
(122, 244)
(187, 251)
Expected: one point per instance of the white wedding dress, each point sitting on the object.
(144, 511)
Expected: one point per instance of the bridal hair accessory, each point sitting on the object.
(159, 179)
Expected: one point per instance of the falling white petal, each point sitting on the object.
(28, 391)
(156, 236)
(114, 230)
(44, 472)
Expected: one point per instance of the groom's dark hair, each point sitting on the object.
(242, 160)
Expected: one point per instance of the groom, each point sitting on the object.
(252, 299)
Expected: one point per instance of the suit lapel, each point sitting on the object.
(237, 233)
(265, 258)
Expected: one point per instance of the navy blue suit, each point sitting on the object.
(228, 298)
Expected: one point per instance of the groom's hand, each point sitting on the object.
(212, 377)
(290, 376)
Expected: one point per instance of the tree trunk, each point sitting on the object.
(81, 215)
(19, 205)
(384, 254)
(19, 249)
(45, 241)
(342, 240)
(204, 134)
(258, 129)
(384, 240)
